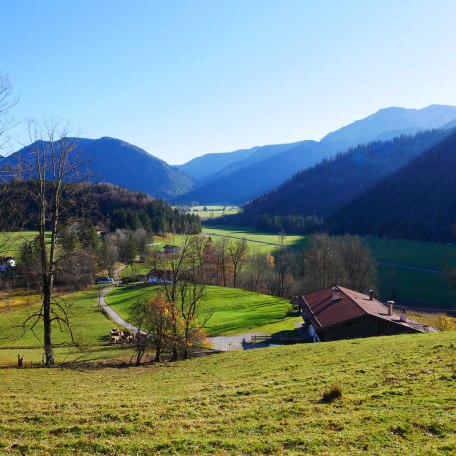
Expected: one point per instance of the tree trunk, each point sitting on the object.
(158, 353)
(48, 352)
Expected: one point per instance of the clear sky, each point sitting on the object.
(181, 78)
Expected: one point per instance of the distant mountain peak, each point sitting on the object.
(117, 162)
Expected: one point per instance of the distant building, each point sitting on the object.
(159, 276)
(170, 249)
(340, 313)
(6, 263)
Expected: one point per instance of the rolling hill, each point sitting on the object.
(120, 163)
(268, 166)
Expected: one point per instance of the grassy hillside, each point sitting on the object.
(398, 397)
(232, 310)
(90, 330)
(11, 242)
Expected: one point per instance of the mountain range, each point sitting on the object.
(243, 175)
(324, 188)
(265, 168)
(402, 188)
(416, 202)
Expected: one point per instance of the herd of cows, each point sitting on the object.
(119, 336)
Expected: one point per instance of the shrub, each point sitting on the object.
(332, 393)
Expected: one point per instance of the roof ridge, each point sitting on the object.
(351, 299)
(364, 295)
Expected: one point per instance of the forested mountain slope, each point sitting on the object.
(120, 163)
(327, 187)
(417, 202)
(268, 166)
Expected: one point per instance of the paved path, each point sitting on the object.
(228, 343)
(113, 314)
(110, 311)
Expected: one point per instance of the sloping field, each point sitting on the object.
(231, 310)
(90, 330)
(398, 397)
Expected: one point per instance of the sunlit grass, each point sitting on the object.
(397, 397)
(231, 310)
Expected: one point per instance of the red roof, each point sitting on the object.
(324, 311)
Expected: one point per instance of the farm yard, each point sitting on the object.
(387, 399)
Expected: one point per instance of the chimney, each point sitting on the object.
(336, 294)
(390, 307)
(371, 295)
(403, 315)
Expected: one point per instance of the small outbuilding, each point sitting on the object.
(336, 313)
(170, 249)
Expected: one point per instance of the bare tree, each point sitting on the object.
(51, 164)
(7, 101)
(256, 270)
(238, 253)
(8, 190)
(322, 263)
(343, 260)
(359, 265)
(185, 288)
(222, 256)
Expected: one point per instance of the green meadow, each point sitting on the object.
(406, 285)
(397, 396)
(10, 242)
(230, 310)
(212, 212)
(90, 331)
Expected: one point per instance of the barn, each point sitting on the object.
(336, 313)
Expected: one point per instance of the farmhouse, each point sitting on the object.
(159, 276)
(340, 313)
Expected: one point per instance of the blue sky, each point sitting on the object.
(184, 78)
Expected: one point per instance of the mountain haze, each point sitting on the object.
(388, 123)
(268, 166)
(246, 183)
(200, 168)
